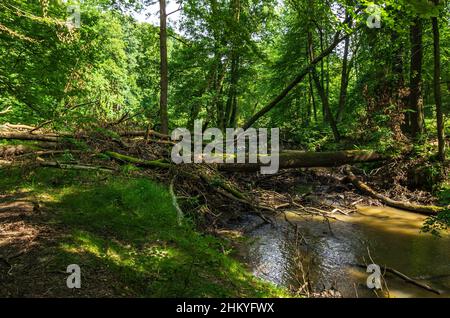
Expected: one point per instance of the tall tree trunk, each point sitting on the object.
(218, 100)
(415, 97)
(326, 105)
(164, 80)
(437, 86)
(400, 121)
(344, 81)
(310, 52)
(322, 70)
(231, 109)
(328, 116)
(313, 98)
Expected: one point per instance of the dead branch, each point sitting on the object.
(405, 278)
(54, 164)
(6, 110)
(422, 209)
(28, 136)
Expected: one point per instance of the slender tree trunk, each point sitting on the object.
(164, 81)
(344, 81)
(231, 109)
(328, 116)
(326, 105)
(400, 121)
(310, 52)
(218, 100)
(322, 71)
(415, 97)
(437, 86)
(313, 98)
(307, 97)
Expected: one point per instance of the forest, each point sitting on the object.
(355, 95)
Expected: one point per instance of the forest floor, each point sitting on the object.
(123, 233)
(118, 220)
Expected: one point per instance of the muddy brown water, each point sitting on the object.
(326, 257)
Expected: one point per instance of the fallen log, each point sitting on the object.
(300, 159)
(14, 126)
(54, 164)
(422, 209)
(53, 137)
(47, 153)
(27, 136)
(143, 133)
(139, 162)
(291, 159)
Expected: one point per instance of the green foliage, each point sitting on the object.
(444, 193)
(75, 76)
(440, 223)
(437, 224)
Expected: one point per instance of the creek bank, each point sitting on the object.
(322, 259)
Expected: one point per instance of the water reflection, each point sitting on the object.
(392, 236)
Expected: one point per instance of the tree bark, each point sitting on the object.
(164, 80)
(344, 81)
(415, 97)
(299, 159)
(28, 136)
(232, 102)
(437, 87)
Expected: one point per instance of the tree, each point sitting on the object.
(437, 85)
(415, 97)
(164, 81)
(344, 80)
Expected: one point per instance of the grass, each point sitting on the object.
(125, 231)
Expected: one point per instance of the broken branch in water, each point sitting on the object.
(405, 278)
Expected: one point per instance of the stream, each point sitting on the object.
(324, 253)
